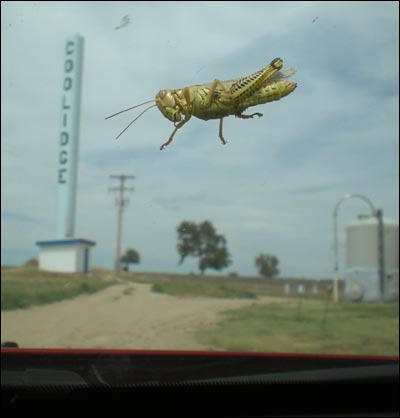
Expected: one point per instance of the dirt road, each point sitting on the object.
(121, 316)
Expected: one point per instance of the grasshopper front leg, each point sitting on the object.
(178, 126)
(185, 106)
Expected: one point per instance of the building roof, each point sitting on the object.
(65, 242)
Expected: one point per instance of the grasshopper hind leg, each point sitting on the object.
(241, 116)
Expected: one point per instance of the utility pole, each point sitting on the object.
(121, 202)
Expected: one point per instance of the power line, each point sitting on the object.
(121, 202)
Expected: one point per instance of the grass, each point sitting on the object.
(308, 328)
(207, 285)
(243, 284)
(24, 287)
(198, 288)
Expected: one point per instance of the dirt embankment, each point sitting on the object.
(122, 316)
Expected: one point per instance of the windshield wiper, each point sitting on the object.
(351, 374)
(41, 377)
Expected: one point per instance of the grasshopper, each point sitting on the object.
(220, 99)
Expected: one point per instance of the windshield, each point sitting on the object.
(252, 207)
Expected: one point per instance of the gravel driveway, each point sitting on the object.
(122, 316)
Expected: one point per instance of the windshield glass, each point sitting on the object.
(253, 207)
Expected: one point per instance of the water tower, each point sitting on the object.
(363, 281)
(67, 253)
(372, 271)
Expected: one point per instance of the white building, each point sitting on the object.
(67, 256)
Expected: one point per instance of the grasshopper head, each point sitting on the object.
(167, 102)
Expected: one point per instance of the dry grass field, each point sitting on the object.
(156, 311)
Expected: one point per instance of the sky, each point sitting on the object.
(271, 189)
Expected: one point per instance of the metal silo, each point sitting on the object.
(362, 277)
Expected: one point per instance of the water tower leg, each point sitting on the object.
(336, 290)
(381, 260)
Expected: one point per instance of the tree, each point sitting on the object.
(202, 241)
(131, 256)
(267, 265)
(32, 262)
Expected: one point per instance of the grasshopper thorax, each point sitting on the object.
(168, 103)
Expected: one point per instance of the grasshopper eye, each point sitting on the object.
(166, 98)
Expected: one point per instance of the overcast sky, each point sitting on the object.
(271, 189)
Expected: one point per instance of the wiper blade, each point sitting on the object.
(41, 377)
(386, 371)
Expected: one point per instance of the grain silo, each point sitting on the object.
(372, 264)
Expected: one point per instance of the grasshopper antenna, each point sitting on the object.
(133, 107)
(137, 117)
